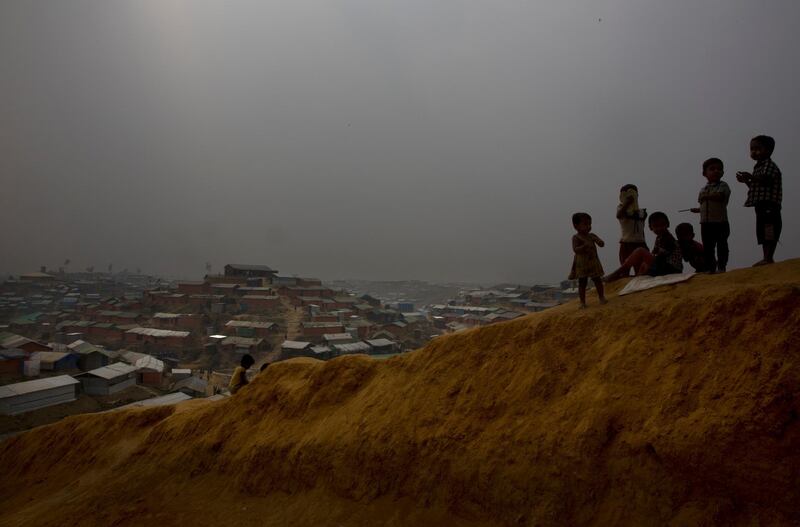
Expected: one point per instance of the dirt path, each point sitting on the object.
(293, 318)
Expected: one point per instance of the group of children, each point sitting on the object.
(764, 194)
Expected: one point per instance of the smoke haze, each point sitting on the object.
(431, 140)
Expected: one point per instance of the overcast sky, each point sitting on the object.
(437, 140)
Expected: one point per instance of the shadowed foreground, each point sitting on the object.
(676, 406)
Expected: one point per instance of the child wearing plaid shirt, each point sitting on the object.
(764, 193)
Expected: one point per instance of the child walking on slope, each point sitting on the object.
(586, 263)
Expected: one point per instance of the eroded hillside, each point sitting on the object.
(675, 406)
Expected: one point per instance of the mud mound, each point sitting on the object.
(676, 406)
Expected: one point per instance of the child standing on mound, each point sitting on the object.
(586, 263)
(764, 193)
(713, 210)
(631, 221)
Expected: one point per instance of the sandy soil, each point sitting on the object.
(675, 406)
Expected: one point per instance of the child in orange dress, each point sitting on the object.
(586, 263)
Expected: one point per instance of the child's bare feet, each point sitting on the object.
(582, 306)
(603, 301)
(762, 262)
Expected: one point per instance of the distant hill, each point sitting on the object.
(675, 406)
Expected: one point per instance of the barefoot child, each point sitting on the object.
(713, 210)
(664, 259)
(586, 263)
(764, 193)
(631, 221)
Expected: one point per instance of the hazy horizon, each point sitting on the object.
(353, 140)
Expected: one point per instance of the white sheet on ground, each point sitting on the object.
(641, 283)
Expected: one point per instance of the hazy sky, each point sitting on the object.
(439, 140)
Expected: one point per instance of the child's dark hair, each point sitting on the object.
(629, 186)
(579, 217)
(684, 228)
(247, 361)
(712, 161)
(765, 141)
(658, 216)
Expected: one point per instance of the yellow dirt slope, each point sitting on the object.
(676, 406)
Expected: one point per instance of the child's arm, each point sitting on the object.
(596, 239)
(622, 209)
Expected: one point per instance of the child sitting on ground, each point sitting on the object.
(764, 193)
(691, 250)
(586, 263)
(664, 259)
(631, 221)
(239, 377)
(713, 209)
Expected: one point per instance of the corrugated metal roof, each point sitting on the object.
(48, 356)
(260, 297)
(295, 345)
(13, 354)
(12, 340)
(380, 343)
(355, 347)
(321, 324)
(241, 341)
(119, 314)
(149, 363)
(37, 385)
(245, 267)
(249, 324)
(337, 336)
(166, 315)
(131, 356)
(160, 333)
(83, 347)
(192, 383)
(112, 371)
